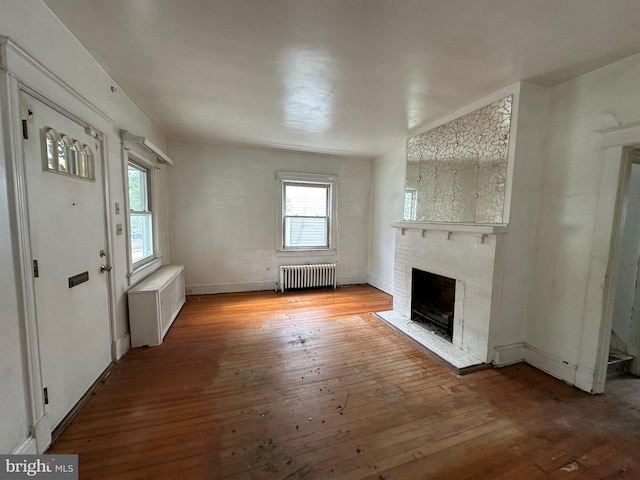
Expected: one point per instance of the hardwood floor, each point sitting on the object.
(310, 386)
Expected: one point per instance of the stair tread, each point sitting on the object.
(617, 357)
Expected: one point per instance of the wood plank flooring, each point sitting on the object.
(310, 386)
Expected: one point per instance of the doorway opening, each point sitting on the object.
(624, 345)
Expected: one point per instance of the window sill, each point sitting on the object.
(307, 253)
(143, 271)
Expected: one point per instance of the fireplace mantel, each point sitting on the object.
(473, 228)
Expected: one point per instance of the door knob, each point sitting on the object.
(105, 268)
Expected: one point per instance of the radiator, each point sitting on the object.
(154, 304)
(306, 276)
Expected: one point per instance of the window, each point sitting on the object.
(140, 214)
(308, 205)
(410, 204)
(306, 216)
(67, 156)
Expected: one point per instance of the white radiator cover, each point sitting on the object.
(154, 303)
(306, 276)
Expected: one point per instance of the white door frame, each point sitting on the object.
(633, 340)
(20, 71)
(617, 144)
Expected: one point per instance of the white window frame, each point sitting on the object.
(140, 269)
(302, 179)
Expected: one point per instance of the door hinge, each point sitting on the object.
(36, 271)
(25, 129)
(93, 133)
(46, 396)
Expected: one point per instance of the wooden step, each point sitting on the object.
(618, 364)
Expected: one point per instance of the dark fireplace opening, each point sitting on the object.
(432, 301)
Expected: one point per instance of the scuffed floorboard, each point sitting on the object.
(311, 386)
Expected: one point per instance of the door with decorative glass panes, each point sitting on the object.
(67, 228)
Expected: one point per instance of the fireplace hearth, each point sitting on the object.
(432, 302)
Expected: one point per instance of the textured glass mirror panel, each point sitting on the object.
(457, 171)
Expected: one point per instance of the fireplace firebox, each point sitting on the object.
(432, 301)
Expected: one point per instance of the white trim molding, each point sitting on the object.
(213, 288)
(19, 62)
(307, 177)
(20, 71)
(27, 447)
(16, 190)
(508, 354)
(122, 346)
(148, 145)
(132, 151)
(598, 321)
(549, 363)
(332, 181)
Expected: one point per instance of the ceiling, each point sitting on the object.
(338, 76)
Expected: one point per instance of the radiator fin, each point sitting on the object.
(307, 276)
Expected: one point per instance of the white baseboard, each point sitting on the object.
(550, 364)
(123, 344)
(42, 431)
(386, 287)
(252, 286)
(579, 376)
(352, 281)
(508, 354)
(585, 379)
(229, 288)
(27, 447)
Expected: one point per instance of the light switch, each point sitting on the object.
(118, 229)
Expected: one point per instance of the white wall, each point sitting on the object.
(38, 32)
(387, 204)
(571, 255)
(516, 247)
(223, 215)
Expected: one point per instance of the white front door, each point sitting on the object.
(66, 208)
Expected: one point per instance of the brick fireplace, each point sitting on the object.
(467, 254)
(469, 215)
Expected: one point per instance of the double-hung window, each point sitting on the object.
(308, 206)
(140, 214)
(306, 215)
(142, 178)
